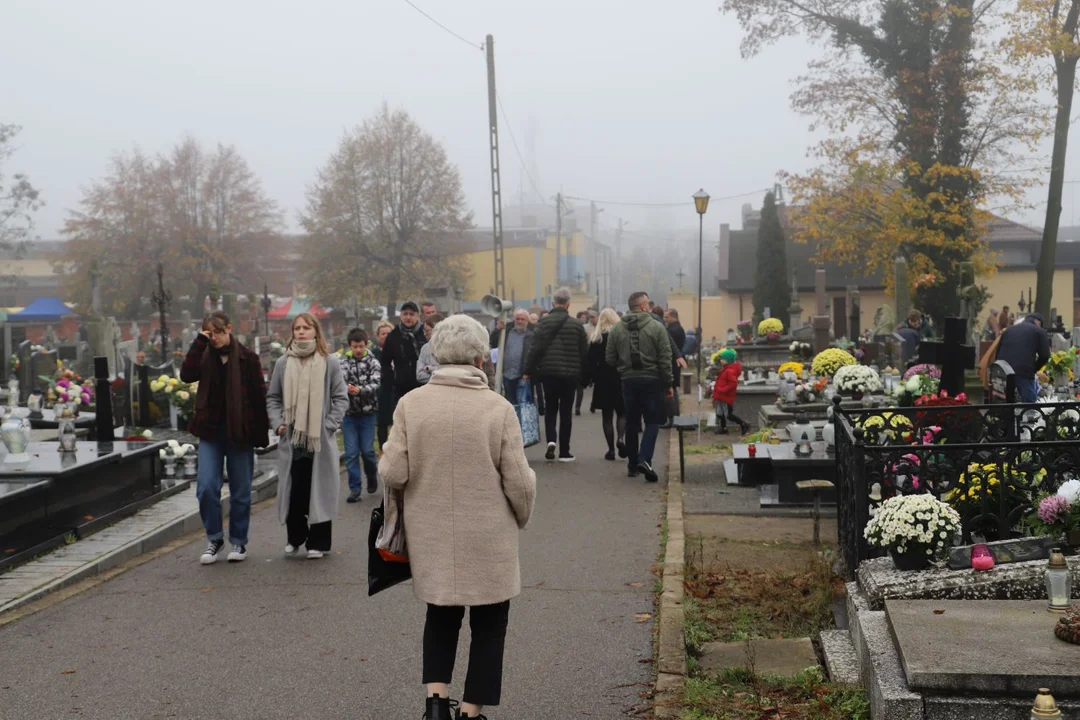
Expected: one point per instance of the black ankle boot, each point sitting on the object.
(439, 708)
(470, 717)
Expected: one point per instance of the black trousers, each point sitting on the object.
(382, 432)
(722, 417)
(483, 682)
(578, 399)
(559, 393)
(317, 536)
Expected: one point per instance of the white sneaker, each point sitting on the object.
(238, 553)
(567, 459)
(314, 554)
(290, 550)
(210, 555)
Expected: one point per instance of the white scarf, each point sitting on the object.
(304, 390)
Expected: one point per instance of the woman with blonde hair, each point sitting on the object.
(607, 385)
(307, 401)
(457, 457)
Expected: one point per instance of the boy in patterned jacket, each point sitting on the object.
(362, 375)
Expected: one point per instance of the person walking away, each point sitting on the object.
(724, 389)
(230, 421)
(425, 364)
(991, 329)
(640, 348)
(583, 318)
(678, 364)
(556, 359)
(517, 346)
(607, 385)
(402, 351)
(385, 413)
(909, 333)
(362, 374)
(307, 401)
(1026, 347)
(466, 496)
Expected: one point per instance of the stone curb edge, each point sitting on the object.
(671, 666)
(264, 488)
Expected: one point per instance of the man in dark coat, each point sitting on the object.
(557, 358)
(1026, 347)
(675, 328)
(909, 333)
(402, 350)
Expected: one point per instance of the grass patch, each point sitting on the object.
(730, 604)
(707, 449)
(741, 694)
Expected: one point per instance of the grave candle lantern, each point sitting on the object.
(1045, 706)
(981, 557)
(1058, 582)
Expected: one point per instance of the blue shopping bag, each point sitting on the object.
(527, 414)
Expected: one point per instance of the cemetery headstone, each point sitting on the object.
(42, 365)
(104, 406)
(8, 350)
(26, 372)
(102, 333)
(854, 308)
(952, 354)
(1002, 383)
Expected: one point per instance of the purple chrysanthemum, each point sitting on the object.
(924, 369)
(1053, 509)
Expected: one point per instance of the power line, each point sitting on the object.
(673, 204)
(459, 37)
(513, 141)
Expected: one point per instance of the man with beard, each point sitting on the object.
(402, 350)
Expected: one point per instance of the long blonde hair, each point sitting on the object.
(608, 319)
(320, 342)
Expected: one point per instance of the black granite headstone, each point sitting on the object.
(1002, 383)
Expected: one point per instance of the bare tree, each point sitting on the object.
(384, 215)
(18, 200)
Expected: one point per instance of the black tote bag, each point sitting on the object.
(382, 574)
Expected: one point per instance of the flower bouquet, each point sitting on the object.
(913, 528)
(66, 386)
(770, 326)
(790, 366)
(827, 362)
(856, 380)
(988, 479)
(809, 392)
(887, 427)
(801, 351)
(916, 386)
(1059, 367)
(181, 395)
(932, 371)
(745, 328)
(1059, 514)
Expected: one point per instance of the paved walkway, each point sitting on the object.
(276, 638)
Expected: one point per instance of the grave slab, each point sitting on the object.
(783, 657)
(998, 647)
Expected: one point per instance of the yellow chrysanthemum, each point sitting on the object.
(792, 366)
(770, 325)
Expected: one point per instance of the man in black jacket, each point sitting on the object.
(909, 333)
(556, 358)
(402, 350)
(1026, 347)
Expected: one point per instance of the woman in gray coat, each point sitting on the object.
(306, 403)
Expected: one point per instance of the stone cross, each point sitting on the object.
(821, 319)
(50, 337)
(136, 333)
(952, 354)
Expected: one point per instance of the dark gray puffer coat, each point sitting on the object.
(557, 351)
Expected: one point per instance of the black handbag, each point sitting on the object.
(382, 574)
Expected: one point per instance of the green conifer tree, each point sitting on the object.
(771, 289)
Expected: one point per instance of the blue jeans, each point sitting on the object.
(1027, 389)
(358, 433)
(644, 401)
(510, 389)
(240, 461)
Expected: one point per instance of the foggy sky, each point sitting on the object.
(628, 100)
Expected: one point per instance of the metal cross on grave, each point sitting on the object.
(951, 354)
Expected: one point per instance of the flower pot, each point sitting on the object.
(856, 395)
(914, 559)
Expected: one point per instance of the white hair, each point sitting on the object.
(561, 296)
(521, 311)
(459, 340)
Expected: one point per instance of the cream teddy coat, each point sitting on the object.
(456, 453)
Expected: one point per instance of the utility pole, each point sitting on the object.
(558, 238)
(496, 182)
(618, 262)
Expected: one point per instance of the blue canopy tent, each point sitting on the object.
(41, 310)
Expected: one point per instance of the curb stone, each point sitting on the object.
(671, 666)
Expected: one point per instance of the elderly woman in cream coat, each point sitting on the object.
(457, 455)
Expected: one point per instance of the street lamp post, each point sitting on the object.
(266, 310)
(701, 204)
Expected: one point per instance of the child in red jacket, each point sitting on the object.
(724, 392)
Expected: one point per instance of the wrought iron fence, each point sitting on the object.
(992, 463)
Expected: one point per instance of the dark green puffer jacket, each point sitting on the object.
(557, 354)
(654, 345)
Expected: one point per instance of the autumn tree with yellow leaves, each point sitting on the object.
(918, 111)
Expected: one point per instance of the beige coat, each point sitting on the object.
(456, 452)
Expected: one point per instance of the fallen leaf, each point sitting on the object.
(88, 518)
(633, 584)
(67, 672)
(939, 612)
(642, 617)
(9, 550)
(363, 659)
(206, 590)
